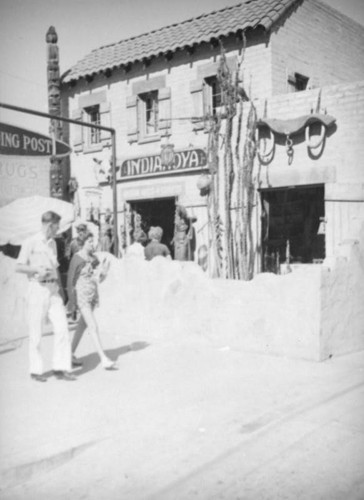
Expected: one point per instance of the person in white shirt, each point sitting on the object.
(136, 249)
(38, 260)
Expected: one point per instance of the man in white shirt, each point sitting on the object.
(38, 260)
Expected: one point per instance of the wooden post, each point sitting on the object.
(57, 179)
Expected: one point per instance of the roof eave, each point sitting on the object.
(265, 26)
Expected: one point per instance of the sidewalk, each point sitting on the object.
(182, 419)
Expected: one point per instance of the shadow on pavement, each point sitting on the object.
(10, 349)
(91, 361)
(9, 345)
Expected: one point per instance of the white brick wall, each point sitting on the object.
(316, 42)
(312, 41)
(340, 167)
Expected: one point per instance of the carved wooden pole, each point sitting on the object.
(54, 108)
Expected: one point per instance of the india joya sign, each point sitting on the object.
(148, 166)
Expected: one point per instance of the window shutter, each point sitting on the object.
(164, 104)
(196, 90)
(105, 121)
(132, 118)
(77, 130)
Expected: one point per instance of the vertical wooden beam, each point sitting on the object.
(57, 181)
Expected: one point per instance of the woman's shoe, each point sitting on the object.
(108, 364)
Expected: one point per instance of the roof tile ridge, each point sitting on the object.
(162, 28)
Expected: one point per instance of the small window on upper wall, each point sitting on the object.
(149, 113)
(212, 95)
(297, 82)
(93, 116)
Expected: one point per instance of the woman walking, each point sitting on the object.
(84, 274)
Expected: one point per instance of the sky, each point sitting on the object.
(82, 26)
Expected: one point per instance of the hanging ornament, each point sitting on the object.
(167, 155)
(204, 181)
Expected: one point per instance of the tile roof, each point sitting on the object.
(248, 14)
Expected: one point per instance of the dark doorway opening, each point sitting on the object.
(295, 215)
(157, 212)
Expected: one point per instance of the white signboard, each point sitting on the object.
(23, 176)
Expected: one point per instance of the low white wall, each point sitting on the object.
(342, 291)
(13, 293)
(273, 314)
(311, 313)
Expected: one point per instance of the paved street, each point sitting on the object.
(182, 419)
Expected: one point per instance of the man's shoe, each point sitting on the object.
(38, 378)
(76, 362)
(61, 375)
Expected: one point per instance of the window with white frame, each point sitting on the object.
(149, 113)
(206, 94)
(94, 109)
(93, 117)
(207, 101)
(213, 95)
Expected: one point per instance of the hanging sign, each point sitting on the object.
(147, 166)
(15, 141)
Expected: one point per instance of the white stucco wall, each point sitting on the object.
(342, 292)
(270, 314)
(314, 312)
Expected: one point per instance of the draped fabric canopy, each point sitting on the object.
(295, 125)
(22, 217)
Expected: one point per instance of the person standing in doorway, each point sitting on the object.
(155, 247)
(105, 242)
(184, 239)
(38, 260)
(136, 249)
(84, 273)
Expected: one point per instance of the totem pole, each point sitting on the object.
(54, 108)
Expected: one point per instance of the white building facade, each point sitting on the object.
(298, 58)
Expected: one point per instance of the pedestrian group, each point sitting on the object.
(38, 260)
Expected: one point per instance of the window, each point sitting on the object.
(294, 215)
(213, 95)
(297, 82)
(149, 112)
(206, 93)
(93, 116)
(94, 109)
(207, 100)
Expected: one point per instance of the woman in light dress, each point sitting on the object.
(84, 274)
